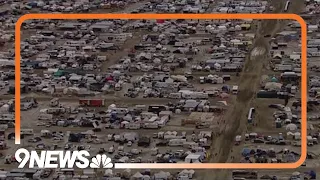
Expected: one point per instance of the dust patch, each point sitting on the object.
(258, 51)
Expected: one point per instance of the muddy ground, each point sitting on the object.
(249, 83)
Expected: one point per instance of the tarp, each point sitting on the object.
(246, 152)
(58, 73)
(313, 174)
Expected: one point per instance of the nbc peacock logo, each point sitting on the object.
(101, 161)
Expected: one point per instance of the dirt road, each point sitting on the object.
(113, 58)
(129, 44)
(236, 117)
(249, 82)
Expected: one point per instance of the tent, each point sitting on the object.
(137, 176)
(274, 79)
(246, 152)
(5, 108)
(161, 175)
(296, 174)
(272, 86)
(224, 95)
(108, 173)
(291, 127)
(146, 177)
(297, 135)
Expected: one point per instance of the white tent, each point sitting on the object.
(189, 173)
(108, 173)
(161, 175)
(4, 108)
(156, 61)
(217, 66)
(112, 106)
(237, 28)
(291, 127)
(137, 175)
(222, 28)
(296, 173)
(272, 86)
(128, 117)
(146, 177)
(297, 135)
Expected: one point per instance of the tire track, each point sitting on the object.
(250, 83)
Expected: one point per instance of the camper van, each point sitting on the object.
(235, 89)
(202, 80)
(218, 55)
(282, 67)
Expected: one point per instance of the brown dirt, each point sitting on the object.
(113, 58)
(249, 83)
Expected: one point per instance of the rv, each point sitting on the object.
(26, 132)
(153, 125)
(218, 55)
(175, 96)
(44, 116)
(177, 142)
(282, 67)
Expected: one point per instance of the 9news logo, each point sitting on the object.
(61, 159)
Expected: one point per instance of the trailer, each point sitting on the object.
(92, 102)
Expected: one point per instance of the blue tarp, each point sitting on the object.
(246, 152)
(225, 88)
(32, 4)
(313, 174)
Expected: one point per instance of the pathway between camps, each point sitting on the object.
(235, 117)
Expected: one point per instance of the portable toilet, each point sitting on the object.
(113, 116)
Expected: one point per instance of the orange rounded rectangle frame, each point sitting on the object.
(181, 16)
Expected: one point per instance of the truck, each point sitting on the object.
(92, 102)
